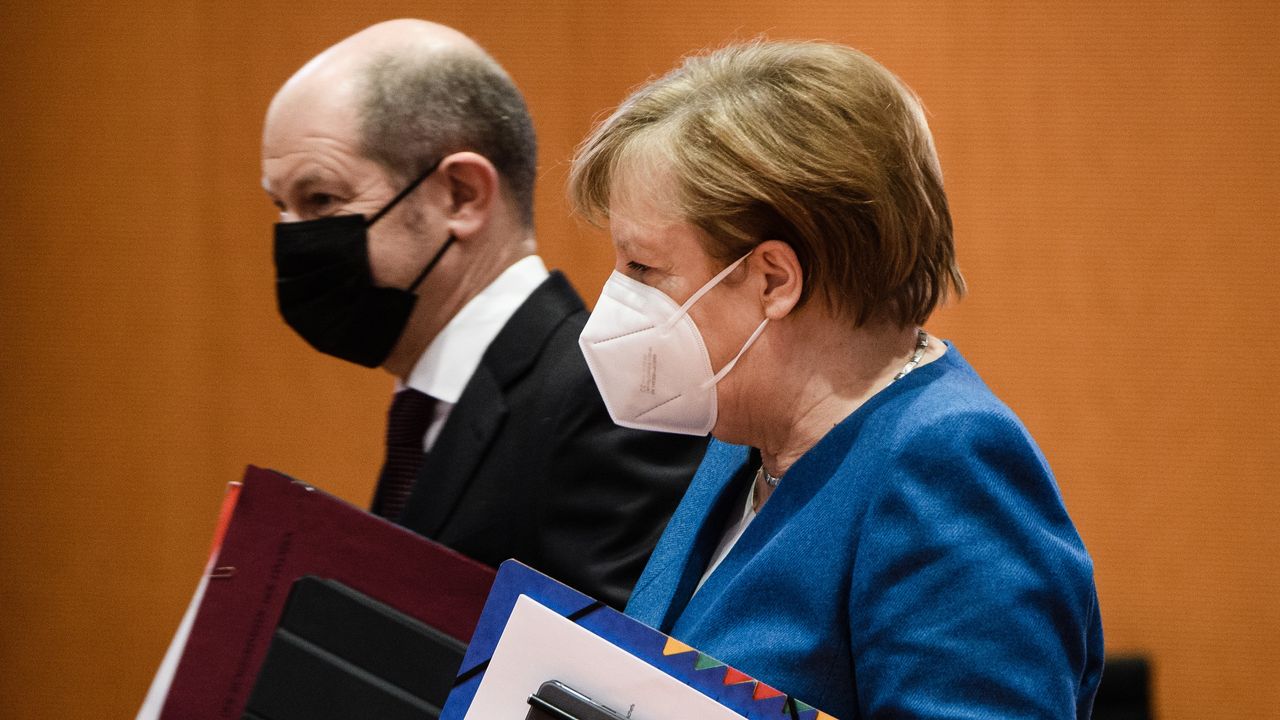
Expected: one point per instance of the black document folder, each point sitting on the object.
(339, 654)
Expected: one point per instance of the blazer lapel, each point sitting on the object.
(478, 417)
(804, 481)
(691, 536)
(447, 470)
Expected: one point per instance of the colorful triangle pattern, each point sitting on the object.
(761, 691)
(764, 692)
(675, 647)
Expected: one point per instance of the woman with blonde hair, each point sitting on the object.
(871, 530)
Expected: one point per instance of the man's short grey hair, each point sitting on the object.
(419, 107)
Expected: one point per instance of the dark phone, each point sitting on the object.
(557, 701)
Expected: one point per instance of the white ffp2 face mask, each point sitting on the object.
(649, 360)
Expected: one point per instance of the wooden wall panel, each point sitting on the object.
(1113, 173)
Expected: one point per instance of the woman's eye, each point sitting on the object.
(637, 268)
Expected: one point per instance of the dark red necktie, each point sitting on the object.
(407, 422)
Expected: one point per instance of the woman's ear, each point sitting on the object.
(777, 262)
(473, 186)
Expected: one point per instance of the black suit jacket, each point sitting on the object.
(530, 466)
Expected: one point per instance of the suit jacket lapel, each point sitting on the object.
(804, 481)
(691, 536)
(482, 409)
(448, 468)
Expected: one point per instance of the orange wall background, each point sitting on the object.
(1113, 174)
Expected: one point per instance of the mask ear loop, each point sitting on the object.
(725, 370)
(403, 193)
(435, 259)
(696, 296)
(395, 201)
(684, 309)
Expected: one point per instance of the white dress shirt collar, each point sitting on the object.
(453, 356)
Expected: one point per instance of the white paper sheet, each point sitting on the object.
(539, 645)
(159, 690)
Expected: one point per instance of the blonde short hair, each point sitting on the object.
(814, 144)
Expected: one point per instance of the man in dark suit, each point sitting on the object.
(403, 162)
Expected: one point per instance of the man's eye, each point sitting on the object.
(637, 268)
(320, 200)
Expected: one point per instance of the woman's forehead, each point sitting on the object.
(669, 242)
(644, 174)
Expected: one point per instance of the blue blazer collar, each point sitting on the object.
(665, 591)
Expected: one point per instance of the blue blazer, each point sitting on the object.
(916, 563)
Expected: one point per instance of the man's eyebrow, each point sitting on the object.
(304, 183)
(301, 185)
(297, 187)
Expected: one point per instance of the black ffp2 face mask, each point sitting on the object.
(325, 288)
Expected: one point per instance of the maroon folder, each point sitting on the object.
(279, 530)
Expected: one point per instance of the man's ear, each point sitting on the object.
(473, 189)
(778, 264)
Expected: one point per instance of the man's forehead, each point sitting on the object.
(301, 148)
(300, 116)
(298, 182)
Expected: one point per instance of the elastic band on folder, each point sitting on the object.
(585, 611)
(462, 678)
(482, 666)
